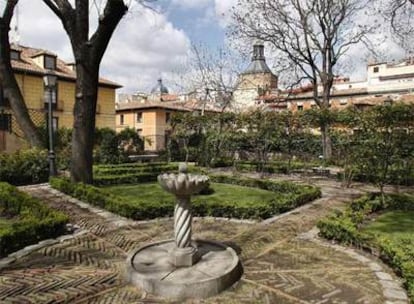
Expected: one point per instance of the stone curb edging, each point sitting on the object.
(391, 287)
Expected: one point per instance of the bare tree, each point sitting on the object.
(88, 51)
(400, 14)
(213, 74)
(310, 35)
(8, 81)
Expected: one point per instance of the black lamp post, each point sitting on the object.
(50, 84)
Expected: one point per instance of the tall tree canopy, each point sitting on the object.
(309, 37)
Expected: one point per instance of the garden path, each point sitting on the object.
(281, 264)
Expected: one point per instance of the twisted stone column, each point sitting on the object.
(182, 222)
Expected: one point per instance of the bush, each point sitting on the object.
(99, 197)
(24, 167)
(344, 228)
(35, 221)
(113, 148)
(131, 173)
(287, 197)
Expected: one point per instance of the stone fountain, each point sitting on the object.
(183, 267)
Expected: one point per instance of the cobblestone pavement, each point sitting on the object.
(278, 266)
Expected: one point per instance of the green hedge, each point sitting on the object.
(287, 197)
(344, 227)
(282, 167)
(105, 175)
(33, 221)
(24, 167)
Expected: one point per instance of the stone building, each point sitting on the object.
(255, 80)
(30, 65)
(150, 114)
(385, 83)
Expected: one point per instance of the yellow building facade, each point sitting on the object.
(29, 72)
(151, 122)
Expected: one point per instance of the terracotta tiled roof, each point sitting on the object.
(192, 105)
(27, 64)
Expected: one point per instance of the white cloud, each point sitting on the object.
(144, 46)
(189, 4)
(224, 10)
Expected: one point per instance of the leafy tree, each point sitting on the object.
(382, 141)
(263, 133)
(184, 126)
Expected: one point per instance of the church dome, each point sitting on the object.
(258, 63)
(159, 88)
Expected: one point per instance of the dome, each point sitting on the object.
(159, 88)
(258, 63)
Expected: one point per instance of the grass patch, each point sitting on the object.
(25, 220)
(395, 225)
(232, 197)
(6, 222)
(380, 226)
(223, 194)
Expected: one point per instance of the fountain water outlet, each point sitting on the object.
(183, 185)
(182, 267)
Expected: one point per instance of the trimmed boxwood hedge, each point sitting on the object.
(290, 196)
(33, 220)
(105, 175)
(24, 167)
(344, 227)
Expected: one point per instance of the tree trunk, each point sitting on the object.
(12, 90)
(326, 142)
(84, 122)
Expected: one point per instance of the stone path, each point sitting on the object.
(282, 264)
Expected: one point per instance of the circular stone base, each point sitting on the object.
(151, 269)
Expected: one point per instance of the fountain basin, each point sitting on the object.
(151, 268)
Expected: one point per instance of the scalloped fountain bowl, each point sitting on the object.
(183, 268)
(183, 184)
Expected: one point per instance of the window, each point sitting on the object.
(300, 108)
(55, 123)
(343, 102)
(121, 119)
(139, 132)
(4, 102)
(50, 94)
(14, 55)
(167, 117)
(139, 117)
(50, 62)
(376, 69)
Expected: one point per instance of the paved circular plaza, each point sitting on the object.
(282, 261)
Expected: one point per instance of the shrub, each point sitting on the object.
(131, 173)
(344, 227)
(287, 197)
(24, 167)
(35, 221)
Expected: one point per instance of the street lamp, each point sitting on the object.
(50, 85)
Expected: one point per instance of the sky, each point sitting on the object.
(149, 44)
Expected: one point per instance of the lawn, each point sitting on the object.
(232, 197)
(5, 222)
(381, 226)
(395, 225)
(223, 193)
